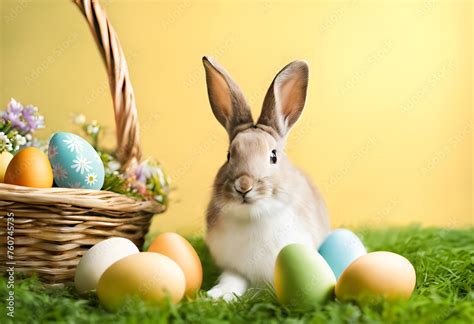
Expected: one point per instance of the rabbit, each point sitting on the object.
(260, 201)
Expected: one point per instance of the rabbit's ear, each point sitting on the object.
(227, 101)
(285, 99)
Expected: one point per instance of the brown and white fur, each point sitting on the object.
(260, 201)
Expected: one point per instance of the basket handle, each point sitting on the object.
(125, 110)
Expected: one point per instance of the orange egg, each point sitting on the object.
(377, 274)
(30, 167)
(181, 251)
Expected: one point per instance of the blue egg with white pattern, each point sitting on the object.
(340, 249)
(76, 164)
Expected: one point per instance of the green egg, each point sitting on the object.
(303, 278)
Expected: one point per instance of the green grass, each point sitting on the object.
(443, 260)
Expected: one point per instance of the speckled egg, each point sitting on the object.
(340, 249)
(377, 275)
(75, 162)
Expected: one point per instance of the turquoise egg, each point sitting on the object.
(76, 164)
(340, 249)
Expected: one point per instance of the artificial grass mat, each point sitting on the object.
(443, 259)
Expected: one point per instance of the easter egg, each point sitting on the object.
(375, 275)
(98, 258)
(303, 278)
(150, 276)
(340, 249)
(76, 164)
(5, 158)
(182, 252)
(30, 167)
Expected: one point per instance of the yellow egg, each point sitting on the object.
(5, 158)
(30, 167)
(150, 276)
(181, 251)
(376, 275)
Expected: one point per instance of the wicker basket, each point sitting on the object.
(53, 227)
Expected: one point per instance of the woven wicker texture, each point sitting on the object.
(55, 226)
(126, 120)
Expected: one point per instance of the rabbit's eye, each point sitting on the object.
(273, 157)
(228, 156)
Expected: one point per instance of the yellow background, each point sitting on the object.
(387, 130)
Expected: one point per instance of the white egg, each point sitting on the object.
(98, 258)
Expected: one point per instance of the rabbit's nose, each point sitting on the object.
(243, 184)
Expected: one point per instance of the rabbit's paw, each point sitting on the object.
(229, 287)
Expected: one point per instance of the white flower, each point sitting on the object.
(73, 143)
(81, 164)
(5, 142)
(28, 137)
(3, 137)
(113, 165)
(20, 140)
(52, 151)
(59, 172)
(79, 119)
(92, 129)
(91, 179)
(161, 175)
